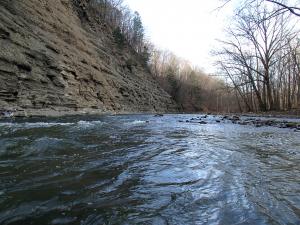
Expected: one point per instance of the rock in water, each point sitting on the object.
(6, 114)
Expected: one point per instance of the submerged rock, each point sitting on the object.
(235, 118)
(292, 125)
(7, 114)
(225, 117)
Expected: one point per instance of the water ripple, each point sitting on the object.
(147, 170)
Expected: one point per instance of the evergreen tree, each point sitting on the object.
(138, 32)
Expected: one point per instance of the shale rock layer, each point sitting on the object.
(53, 58)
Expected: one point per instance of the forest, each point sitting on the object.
(258, 64)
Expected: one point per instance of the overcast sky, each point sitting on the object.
(188, 28)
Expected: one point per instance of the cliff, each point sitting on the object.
(55, 60)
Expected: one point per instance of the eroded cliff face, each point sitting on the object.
(52, 60)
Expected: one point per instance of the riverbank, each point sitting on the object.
(62, 112)
(281, 121)
(48, 112)
(275, 119)
(280, 114)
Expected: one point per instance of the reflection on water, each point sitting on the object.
(147, 170)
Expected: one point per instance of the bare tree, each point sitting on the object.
(285, 8)
(189, 86)
(258, 45)
(282, 6)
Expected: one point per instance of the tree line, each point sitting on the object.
(189, 86)
(259, 61)
(125, 25)
(261, 57)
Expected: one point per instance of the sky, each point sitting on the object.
(188, 28)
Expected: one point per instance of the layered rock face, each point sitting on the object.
(52, 60)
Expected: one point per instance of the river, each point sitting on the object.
(141, 169)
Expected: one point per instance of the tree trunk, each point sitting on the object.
(269, 92)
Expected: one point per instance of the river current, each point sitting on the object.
(141, 169)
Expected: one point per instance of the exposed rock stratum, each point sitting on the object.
(53, 60)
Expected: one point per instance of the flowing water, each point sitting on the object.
(141, 169)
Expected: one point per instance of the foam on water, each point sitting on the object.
(26, 125)
(89, 124)
(42, 124)
(136, 122)
(33, 125)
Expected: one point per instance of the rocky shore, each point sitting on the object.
(48, 112)
(257, 121)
